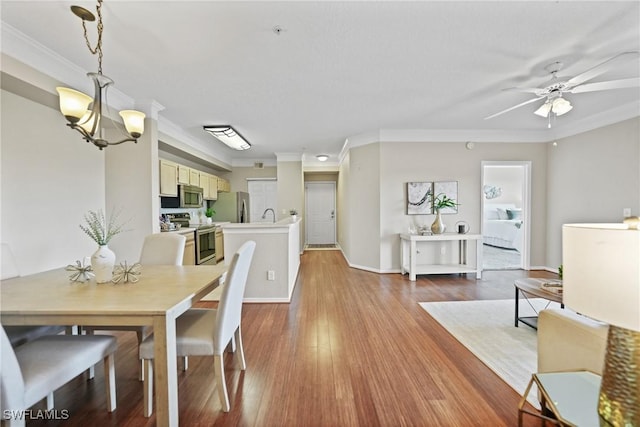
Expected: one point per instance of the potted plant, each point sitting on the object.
(294, 214)
(441, 201)
(101, 230)
(209, 213)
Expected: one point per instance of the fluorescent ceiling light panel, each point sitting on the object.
(229, 136)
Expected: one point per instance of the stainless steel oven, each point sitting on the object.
(205, 243)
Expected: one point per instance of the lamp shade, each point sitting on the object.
(73, 104)
(561, 106)
(133, 122)
(544, 109)
(601, 272)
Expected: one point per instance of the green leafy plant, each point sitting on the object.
(293, 212)
(209, 213)
(560, 272)
(442, 201)
(101, 229)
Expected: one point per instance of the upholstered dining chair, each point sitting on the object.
(157, 249)
(34, 370)
(207, 332)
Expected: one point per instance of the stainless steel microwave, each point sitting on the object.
(189, 196)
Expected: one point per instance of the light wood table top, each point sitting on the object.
(161, 294)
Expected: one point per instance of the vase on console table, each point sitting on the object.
(102, 262)
(438, 226)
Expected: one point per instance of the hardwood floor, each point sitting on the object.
(352, 349)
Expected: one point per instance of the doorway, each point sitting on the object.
(505, 215)
(320, 213)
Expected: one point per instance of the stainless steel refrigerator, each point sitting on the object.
(232, 207)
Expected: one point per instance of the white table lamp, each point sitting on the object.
(601, 280)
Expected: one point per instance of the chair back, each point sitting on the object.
(11, 381)
(163, 249)
(230, 305)
(9, 266)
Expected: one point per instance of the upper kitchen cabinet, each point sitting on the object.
(209, 184)
(184, 174)
(168, 178)
(223, 185)
(194, 177)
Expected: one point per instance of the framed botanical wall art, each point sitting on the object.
(449, 189)
(419, 198)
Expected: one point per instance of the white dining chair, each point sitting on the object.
(36, 369)
(207, 332)
(157, 249)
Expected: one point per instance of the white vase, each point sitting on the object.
(294, 218)
(102, 262)
(438, 226)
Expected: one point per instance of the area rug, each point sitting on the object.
(486, 329)
(500, 259)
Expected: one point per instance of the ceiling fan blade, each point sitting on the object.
(601, 68)
(523, 89)
(514, 107)
(612, 84)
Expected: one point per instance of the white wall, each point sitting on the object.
(593, 176)
(50, 179)
(510, 179)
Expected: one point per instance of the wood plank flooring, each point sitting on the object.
(353, 348)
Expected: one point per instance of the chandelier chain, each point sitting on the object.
(98, 48)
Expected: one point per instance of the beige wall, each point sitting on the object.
(360, 228)
(404, 162)
(291, 192)
(593, 176)
(321, 176)
(238, 177)
(343, 205)
(50, 179)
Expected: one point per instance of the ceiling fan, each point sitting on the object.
(555, 104)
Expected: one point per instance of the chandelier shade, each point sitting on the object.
(83, 113)
(557, 106)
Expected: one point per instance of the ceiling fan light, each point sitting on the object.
(544, 109)
(561, 106)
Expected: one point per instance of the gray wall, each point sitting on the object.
(593, 176)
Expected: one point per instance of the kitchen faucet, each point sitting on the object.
(264, 214)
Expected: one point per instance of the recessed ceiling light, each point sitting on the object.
(322, 157)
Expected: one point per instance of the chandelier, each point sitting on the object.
(84, 113)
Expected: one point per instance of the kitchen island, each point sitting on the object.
(276, 259)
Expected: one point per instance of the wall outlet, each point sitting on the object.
(626, 212)
(271, 275)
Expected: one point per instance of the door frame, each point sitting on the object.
(306, 210)
(526, 204)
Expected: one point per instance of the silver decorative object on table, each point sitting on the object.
(81, 272)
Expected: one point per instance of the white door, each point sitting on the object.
(263, 194)
(320, 213)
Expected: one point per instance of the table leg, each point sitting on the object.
(516, 314)
(165, 373)
(412, 260)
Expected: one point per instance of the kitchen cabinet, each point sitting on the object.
(168, 178)
(213, 187)
(189, 257)
(219, 244)
(223, 185)
(203, 181)
(184, 174)
(209, 184)
(194, 177)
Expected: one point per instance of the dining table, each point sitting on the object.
(161, 294)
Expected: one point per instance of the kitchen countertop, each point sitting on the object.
(182, 230)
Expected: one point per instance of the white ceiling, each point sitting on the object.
(341, 69)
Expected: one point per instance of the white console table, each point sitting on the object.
(409, 250)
